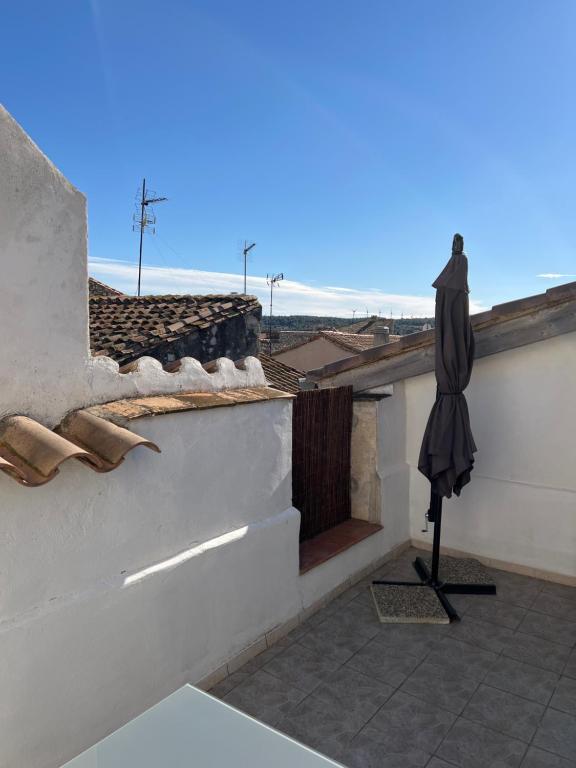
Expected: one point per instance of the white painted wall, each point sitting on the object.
(313, 354)
(521, 504)
(117, 588)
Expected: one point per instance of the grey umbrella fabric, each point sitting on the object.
(447, 452)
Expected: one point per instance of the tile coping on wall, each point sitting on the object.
(270, 638)
(502, 565)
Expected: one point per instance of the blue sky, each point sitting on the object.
(350, 140)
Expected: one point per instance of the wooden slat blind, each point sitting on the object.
(322, 428)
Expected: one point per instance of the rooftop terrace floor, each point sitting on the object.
(496, 689)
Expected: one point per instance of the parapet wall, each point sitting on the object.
(46, 369)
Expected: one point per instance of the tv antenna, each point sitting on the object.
(272, 281)
(247, 248)
(145, 220)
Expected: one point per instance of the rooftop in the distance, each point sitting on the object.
(127, 327)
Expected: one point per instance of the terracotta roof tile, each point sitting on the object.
(128, 327)
(120, 411)
(281, 376)
(31, 453)
(354, 342)
(96, 288)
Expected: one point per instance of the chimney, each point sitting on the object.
(381, 335)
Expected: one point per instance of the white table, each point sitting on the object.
(191, 729)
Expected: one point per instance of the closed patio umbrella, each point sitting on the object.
(447, 452)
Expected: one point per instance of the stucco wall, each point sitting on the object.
(521, 504)
(313, 354)
(115, 589)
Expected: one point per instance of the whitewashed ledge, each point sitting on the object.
(148, 377)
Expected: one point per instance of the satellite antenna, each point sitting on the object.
(145, 220)
(247, 248)
(272, 281)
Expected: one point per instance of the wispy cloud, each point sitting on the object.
(554, 275)
(292, 297)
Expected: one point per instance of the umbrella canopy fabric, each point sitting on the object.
(447, 452)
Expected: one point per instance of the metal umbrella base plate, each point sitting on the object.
(441, 588)
(431, 576)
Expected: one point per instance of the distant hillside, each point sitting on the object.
(402, 326)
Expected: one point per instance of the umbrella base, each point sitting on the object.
(442, 588)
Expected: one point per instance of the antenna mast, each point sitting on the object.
(272, 281)
(245, 251)
(145, 220)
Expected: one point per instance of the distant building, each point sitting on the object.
(324, 347)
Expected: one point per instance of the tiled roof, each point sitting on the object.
(367, 325)
(31, 453)
(515, 323)
(282, 341)
(128, 327)
(353, 342)
(96, 288)
(281, 376)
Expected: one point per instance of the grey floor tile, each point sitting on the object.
(462, 658)
(537, 758)
(537, 651)
(265, 697)
(406, 723)
(554, 605)
(549, 627)
(389, 664)
(320, 616)
(440, 687)
(347, 596)
(485, 635)
(367, 751)
(570, 668)
(504, 712)
(557, 733)
(521, 594)
(435, 762)
(560, 590)
(471, 745)
(522, 679)
(488, 608)
(359, 618)
(334, 639)
(565, 696)
(320, 726)
(415, 639)
(293, 636)
(356, 694)
(364, 598)
(263, 658)
(301, 667)
(461, 603)
(229, 683)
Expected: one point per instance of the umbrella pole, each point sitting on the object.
(435, 516)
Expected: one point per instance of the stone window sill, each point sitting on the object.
(330, 543)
